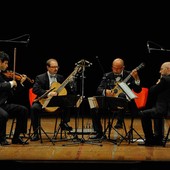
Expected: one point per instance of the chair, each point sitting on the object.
(141, 98)
(57, 129)
(32, 97)
(12, 127)
(140, 103)
(166, 126)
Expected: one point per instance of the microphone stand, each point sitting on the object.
(84, 64)
(14, 40)
(156, 49)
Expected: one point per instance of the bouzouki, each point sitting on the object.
(59, 89)
(117, 90)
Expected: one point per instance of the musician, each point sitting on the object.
(42, 84)
(105, 88)
(158, 104)
(7, 108)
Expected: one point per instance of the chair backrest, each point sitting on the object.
(141, 98)
(32, 96)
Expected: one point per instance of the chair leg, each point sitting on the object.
(58, 129)
(12, 126)
(166, 138)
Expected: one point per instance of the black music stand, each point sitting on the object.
(110, 104)
(66, 101)
(39, 129)
(129, 135)
(83, 63)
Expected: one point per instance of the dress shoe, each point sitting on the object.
(35, 138)
(4, 142)
(118, 126)
(18, 141)
(65, 126)
(104, 137)
(149, 142)
(140, 113)
(98, 136)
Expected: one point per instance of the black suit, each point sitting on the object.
(108, 82)
(9, 109)
(159, 97)
(40, 86)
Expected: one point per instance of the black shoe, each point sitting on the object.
(18, 141)
(98, 136)
(65, 126)
(35, 138)
(158, 140)
(104, 137)
(147, 143)
(158, 143)
(140, 113)
(4, 142)
(118, 126)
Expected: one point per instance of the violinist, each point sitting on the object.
(9, 109)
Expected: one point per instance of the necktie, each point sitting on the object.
(118, 77)
(53, 78)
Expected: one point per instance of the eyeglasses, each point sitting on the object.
(54, 66)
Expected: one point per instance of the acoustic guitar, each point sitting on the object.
(117, 90)
(59, 89)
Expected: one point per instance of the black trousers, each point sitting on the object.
(17, 111)
(37, 111)
(150, 130)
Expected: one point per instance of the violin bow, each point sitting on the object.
(14, 66)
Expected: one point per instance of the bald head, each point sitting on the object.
(118, 61)
(117, 66)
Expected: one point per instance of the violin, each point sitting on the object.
(17, 76)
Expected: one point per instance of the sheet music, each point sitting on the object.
(127, 90)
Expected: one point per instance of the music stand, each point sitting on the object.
(66, 101)
(111, 104)
(84, 63)
(39, 129)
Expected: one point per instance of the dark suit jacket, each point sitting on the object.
(41, 84)
(5, 89)
(161, 95)
(109, 82)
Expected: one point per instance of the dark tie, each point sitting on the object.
(52, 76)
(118, 75)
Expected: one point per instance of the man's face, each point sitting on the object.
(3, 65)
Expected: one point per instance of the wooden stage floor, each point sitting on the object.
(81, 150)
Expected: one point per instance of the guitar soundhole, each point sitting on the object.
(115, 90)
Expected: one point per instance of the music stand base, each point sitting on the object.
(39, 129)
(129, 136)
(83, 141)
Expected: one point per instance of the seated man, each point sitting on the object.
(157, 108)
(106, 88)
(42, 83)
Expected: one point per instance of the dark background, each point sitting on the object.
(70, 32)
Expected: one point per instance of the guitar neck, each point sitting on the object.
(67, 80)
(127, 78)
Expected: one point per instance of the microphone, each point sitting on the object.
(148, 47)
(84, 62)
(28, 40)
